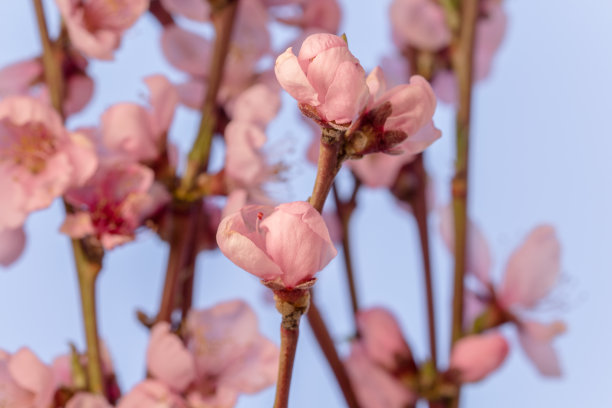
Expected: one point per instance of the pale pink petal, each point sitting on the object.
(490, 33)
(17, 78)
(293, 79)
(127, 129)
(191, 93)
(477, 356)
(243, 159)
(259, 104)
(83, 157)
(420, 24)
(235, 201)
(78, 225)
(11, 394)
(168, 360)
(322, 69)
(323, 14)
(163, 99)
(377, 83)
(375, 387)
(12, 243)
(87, 400)
(316, 44)
(536, 340)
(187, 51)
(347, 95)
(382, 338)
(478, 254)
(421, 140)
(445, 86)
(79, 91)
(196, 10)
(151, 393)
(533, 269)
(33, 375)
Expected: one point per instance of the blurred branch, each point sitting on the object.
(87, 256)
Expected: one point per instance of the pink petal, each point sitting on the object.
(249, 107)
(533, 269)
(382, 337)
(17, 77)
(536, 340)
(317, 43)
(191, 93)
(293, 79)
(127, 129)
(419, 23)
(33, 375)
(347, 95)
(376, 82)
(79, 91)
(490, 33)
(478, 254)
(244, 161)
(187, 51)
(78, 225)
(168, 360)
(87, 400)
(163, 99)
(83, 158)
(151, 393)
(477, 356)
(298, 241)
(196, 10)
(233, 238)
(421, 140)
(445, 86)
(12, 243)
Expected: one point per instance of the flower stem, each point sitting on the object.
(344, 211)
(419, 207)
(87, 257)
(288, 346)
(463, 67)
(223, 20)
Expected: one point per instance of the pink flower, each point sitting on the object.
(314, 14)
(12, 243)
(531, 273)
(25, 381)
(196, 10)
(114, 203)
(475, 357)
(223, 355)
(187, 51)
(17, 78)
(420, 24)
(39, 159)
(325, 77)
(135, 132)
(287, 244)
(378, 360)
(258, 105)
(87, 400)
(151, 393)
(96, 26)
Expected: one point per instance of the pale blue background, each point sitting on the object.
(541, 153)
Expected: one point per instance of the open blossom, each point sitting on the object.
(531, 273)
(420, 24)
(25, 381)
(96, 26)
(114, 203)
(325, 78)
(377, 361)
(286, 244)
(476, 356)
(135, 132)
(222, 355)
(39, 158)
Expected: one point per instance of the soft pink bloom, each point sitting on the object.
(376, 387)
(96, 26)
(12, 243)
(223, 355)
(135, 132)
(196, 10)
(39, 158)
(186, 50)
(478, 255)
(382, 339)
(25, 381)
(318, 14)
(151, 393)
(114, 203)
(87, 400)
(287, 244)
(477, 356)
(536, 339)
(19, 77)
(258, 104)
(420, 24)
(326, 77)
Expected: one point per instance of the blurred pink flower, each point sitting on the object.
(326, 77)
(136, 133)
(379, 357)
(312, 14)
(223, 355)
(12, 243)
(420, 24)
(87, 400)
(151, 393)
(96, 26)
(17, 78)
(258, 105)
(196, 10)
(25, 381)
(39, 159)
(287, 244)
(114, 203)
(476, 356)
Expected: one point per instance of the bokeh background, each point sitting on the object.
(541, 153)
